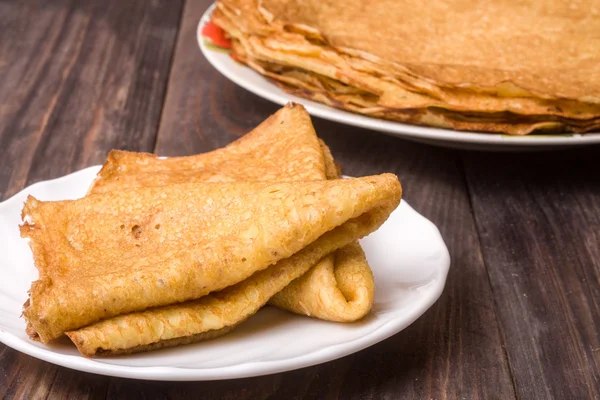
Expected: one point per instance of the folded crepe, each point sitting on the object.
(219, 312)
(438, 71)
(283, 148)
(124, 251)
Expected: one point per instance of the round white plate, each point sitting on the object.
(259, 85)
(407, 254)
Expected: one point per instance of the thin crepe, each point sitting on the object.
(284, 147)
(119, 252)
(339, 288)
(313, 38)
(486, 45)
(215, 314)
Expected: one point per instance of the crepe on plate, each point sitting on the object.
(118, 252)
(483, 67)
(284, 147)
(130, 257)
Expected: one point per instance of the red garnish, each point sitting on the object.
(216, 34)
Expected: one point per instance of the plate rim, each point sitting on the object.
(246, 369)
(397, 129)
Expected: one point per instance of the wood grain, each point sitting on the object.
(539, 220)
(203, 110)
(24, 377)
(76, 79)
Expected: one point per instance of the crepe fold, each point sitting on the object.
(120, 252)
(509, 66)
(222, 310)
(284, 147)
(339, 288)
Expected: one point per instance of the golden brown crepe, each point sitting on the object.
(547, 47)
(220, 311)
(284, 147)
(484, 67)
(339, 288)
(123, 251)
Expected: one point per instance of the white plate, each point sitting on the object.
(257, 84)
(407, 254)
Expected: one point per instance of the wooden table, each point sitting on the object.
(520, 315)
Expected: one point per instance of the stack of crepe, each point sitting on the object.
(172, 251)
(507, 66)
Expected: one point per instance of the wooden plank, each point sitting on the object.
(454, 351)
(76, 79)
(199, 114)
(539, 220)
(79, 78)
(24, 377)
(69, 384)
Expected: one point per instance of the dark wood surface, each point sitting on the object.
(520, 315)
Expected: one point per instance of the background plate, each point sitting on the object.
(257, 84)
(407, 254)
